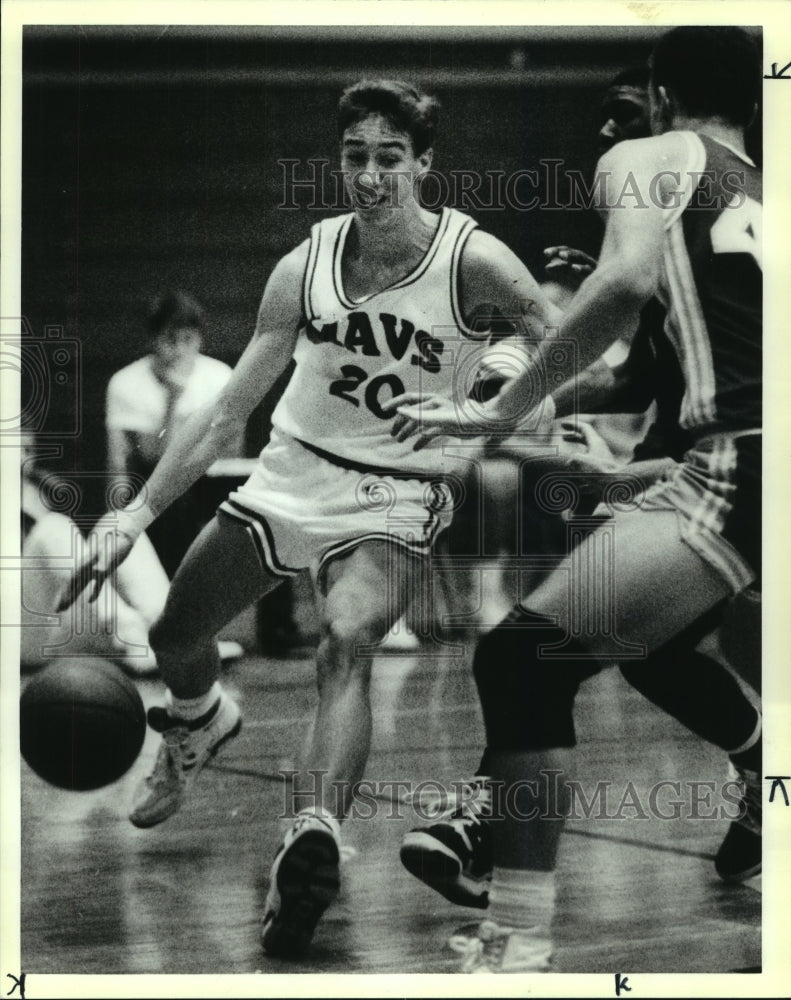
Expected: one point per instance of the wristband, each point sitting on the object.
(134, 521)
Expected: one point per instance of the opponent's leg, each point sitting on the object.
(362, 595)
(705, 697)
(658, 587)
(220, 576)
(740, 635)
(454, 854)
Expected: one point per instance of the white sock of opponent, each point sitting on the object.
(523, 899)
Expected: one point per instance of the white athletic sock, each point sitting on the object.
(522, 898)
(193, 708)
(326, 816)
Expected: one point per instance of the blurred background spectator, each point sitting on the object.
(150, 397)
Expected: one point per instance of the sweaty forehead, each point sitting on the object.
(375, 130)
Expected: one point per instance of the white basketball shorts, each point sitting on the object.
(304, 509)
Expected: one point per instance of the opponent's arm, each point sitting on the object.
(587, 392)
(208, 431)
(603, 387)
(639, 185)
(638, 189)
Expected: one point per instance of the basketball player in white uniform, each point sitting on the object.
(372, 306)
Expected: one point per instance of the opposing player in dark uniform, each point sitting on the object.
(453, 855)
(683, 224)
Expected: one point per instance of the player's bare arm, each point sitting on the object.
(207, 433)
(641, 181)
(492, 278)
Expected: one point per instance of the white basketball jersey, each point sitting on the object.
(353, 356)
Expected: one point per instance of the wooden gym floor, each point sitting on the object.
(638, 895)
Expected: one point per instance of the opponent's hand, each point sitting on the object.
(105, 548)
(568, 265)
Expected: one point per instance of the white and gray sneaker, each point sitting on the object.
(305, 879)
(186, 746)
(488, 947)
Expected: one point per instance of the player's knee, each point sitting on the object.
(355, 616)
(527, 699)
(345, 646)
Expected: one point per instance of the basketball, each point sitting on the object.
(82, 723)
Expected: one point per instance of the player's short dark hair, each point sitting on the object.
(174, 310)
(633, 76)
(713, 71)
(404, 107)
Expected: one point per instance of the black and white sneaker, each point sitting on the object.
(454, 855)
(305, 879)
(740, 853)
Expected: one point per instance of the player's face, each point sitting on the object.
(624, 115)
(379, 167)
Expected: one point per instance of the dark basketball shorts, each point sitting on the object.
(717, 491)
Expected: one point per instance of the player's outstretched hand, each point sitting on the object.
(567, 265)
(594, 467)
(597, 456)
(426, 416)
(107, 545)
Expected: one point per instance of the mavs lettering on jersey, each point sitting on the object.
(358, 337)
